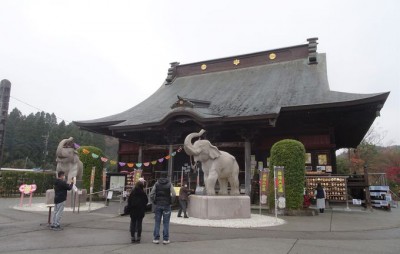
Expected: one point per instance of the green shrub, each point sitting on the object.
(291, 155)
(10, 181)
(89, 162)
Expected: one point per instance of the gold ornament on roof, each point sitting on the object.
(272, 56)
(236, 62)
(203, 67)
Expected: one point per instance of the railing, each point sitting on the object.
(121, 196)
(378, 179)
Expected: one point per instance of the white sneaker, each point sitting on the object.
(166, 242)
(156, 241)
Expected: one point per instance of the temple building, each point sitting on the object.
(246, 103)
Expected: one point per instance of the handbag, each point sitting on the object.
(126, 210)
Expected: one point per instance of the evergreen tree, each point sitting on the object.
(33, 139)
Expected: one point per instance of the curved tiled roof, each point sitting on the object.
(257, 91)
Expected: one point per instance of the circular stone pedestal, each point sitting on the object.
(219, 207)
(68, 203)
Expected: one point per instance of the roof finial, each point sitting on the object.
(312, 50)
(171, 73)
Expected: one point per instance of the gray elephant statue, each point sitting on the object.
(68, 160)
(216, 165)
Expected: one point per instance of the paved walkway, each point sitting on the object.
(103, 231)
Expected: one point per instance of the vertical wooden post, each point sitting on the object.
(170, 163)
(247, 163)
(91, 187)
(367, 194)
(140, 154)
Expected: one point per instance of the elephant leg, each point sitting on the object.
(210, 183)
(223, 186)
(73, 170)
(234, 182)
(205, 177)
(80, 171)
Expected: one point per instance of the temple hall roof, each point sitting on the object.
(254, 86)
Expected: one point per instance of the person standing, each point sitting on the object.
(137, 203)
(162, 195)
(183, 200)
(320, 194)
(60, 195)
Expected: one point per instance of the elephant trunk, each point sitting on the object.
(188, 146)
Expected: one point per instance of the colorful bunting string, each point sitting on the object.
(129, 164)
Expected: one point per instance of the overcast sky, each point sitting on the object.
(88, 59)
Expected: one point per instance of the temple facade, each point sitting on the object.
(246, 103)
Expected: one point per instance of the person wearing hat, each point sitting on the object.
(137, 203)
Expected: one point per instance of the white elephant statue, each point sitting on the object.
(68, 160)
(216, 165)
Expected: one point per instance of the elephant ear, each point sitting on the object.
(214, 152)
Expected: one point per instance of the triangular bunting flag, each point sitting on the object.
(103, 159)
(138, 165)
(76, 146)
(122, 164)
(146, 164)
(173, 154)
(130, 165)
(153, 162)
(95, 156)
(161, 160)
(85, 151)
(167, 157)
(112, 162)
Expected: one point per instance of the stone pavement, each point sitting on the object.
(103, 231)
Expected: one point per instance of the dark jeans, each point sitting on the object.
(165, 213)
(136, 225)
(182, 207)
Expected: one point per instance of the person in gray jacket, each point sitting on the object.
(162, 195)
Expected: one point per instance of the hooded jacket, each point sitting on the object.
(163, 193)
(137, 202)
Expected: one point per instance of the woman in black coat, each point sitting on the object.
(137, 203)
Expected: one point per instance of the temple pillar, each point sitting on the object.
(247, 163)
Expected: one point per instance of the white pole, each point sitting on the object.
(188, 179)
(198, 177)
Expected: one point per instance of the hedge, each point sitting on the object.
(10, 181)
(291, 155)
(88, 162)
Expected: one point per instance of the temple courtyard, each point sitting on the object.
(103, 231)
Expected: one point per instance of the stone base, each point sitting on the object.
(68, 203)
(219, 207)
